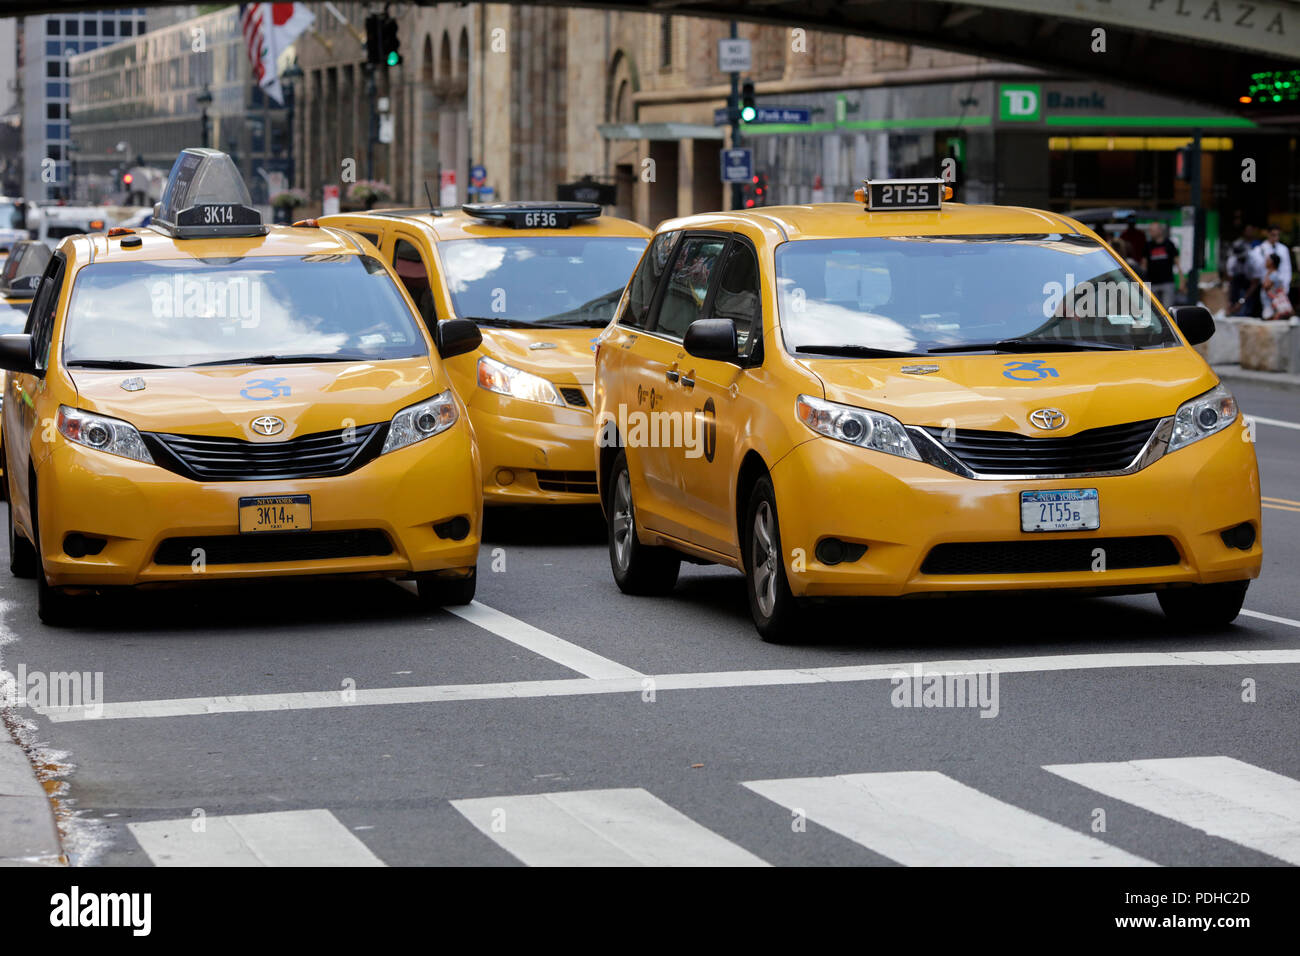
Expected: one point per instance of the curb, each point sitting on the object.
(28, 834)
(1235, 373)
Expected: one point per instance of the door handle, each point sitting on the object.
(672, 375)
(688, 380)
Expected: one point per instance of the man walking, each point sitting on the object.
(1163, 271)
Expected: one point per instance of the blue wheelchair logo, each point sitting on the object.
(271, 386)
(1029, 371)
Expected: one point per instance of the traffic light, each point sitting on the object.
(374, 38)
(1183, 164)
(748, 109)
(390, 42)
(127, 179)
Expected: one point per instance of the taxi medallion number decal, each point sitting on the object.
(275, 513)
(1075, 509)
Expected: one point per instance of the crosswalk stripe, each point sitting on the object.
(585, 662)
(1279, 423)
(627, 827)
(924, 818)
(1221, 796)
(282, 838)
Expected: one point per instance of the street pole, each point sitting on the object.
(733, 113)
(1198, 221)
(373, 135)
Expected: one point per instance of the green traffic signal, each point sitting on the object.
(394, 58)
(747, 113)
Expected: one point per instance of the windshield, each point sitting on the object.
(957, 293)
(257, 309)
(11, 217)
(548, 281)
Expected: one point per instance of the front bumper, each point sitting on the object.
(137, 506)
(901, 509)
(534, 453)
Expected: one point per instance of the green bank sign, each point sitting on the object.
(1020, 102)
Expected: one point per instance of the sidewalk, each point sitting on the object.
(28, 836)
(1235, 373)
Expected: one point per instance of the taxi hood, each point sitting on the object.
(224, 400)
(998, 392)
(557, 354)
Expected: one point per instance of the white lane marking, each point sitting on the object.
(284, 838)
(1274, 421)
(437, 693)
(557, 649)
(1269, 617)
(924, 818)
(627, 827)
(1220, 796)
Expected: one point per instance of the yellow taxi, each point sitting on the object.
(212, 398)
(18, 279)
(903, 396)
(541, 280)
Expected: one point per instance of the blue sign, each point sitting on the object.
(1030, 371)
(721, 117)
(478, 175)
(800, 115)
(271, 386)
(737, 165)
(482, 192)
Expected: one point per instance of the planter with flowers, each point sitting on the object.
(368, 193)
(284, 203)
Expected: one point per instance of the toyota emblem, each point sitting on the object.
(1049, 419)
(270, 425)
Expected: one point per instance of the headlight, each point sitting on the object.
(857, 426)
(420, 421)
(101, 433)
(507, 380)
(1201, 416)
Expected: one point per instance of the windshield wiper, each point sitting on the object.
(857, 351)
(279, 360)
(585, 323)
(1032, 345)
(112, 363)
(500, 323)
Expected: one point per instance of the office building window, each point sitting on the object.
(110, 28)
(52, 26)
(90, 28)
(72, 28)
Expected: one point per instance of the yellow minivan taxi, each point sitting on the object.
(541, 280)
(212, 398)
(18, 279)
(908, 397)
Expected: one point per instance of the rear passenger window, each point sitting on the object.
(40, 319)
(641, 292)
(410, 268)
(370, 237)
(688, 284)
(738, 297)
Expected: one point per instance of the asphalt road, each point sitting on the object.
(564, 722)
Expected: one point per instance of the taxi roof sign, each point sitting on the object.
(902, 194)
(205, 197)
(533, 214)
(23, 269)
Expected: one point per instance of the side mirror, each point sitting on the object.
(1195, 322)
(712, 339)
(456, 337)
(16, 353)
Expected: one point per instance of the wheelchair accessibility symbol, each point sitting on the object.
(1029, 371)
(270, 386)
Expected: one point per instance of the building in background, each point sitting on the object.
(48, 44)
(11, 108)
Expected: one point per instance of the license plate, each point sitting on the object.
(1075, 509)
(275, 513)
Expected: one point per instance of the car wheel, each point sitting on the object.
(446, 592)
(22, 556)
(774, 608)
(1203, 606)
(54, 606)
(638, 568)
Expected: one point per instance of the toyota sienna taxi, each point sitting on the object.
(213, 398)
(541, 280)
(906, 397)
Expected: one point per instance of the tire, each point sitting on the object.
(1203, 606)
(54, 606)
(775, 609)
(22, 556)
(446, 592)
(638, 568)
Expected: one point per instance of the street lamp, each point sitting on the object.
(204, 99)
(292, 73)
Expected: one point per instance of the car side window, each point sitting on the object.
(641, 293)
(410, 268)
(370, 237)
(738, 297)
(688, 285)
(40, 318)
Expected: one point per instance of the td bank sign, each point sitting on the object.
(1020, 102)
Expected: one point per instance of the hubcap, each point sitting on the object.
(764, 559)
(622, 523)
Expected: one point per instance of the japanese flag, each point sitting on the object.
(269, 29)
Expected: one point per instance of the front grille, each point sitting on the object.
(1047, 557)
(581, 482)
(574, 396)
(273, 547)
(1111, 448)
(208, 458)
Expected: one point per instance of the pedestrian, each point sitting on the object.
(1163, 272)
(1136, 241)
(1277, 301)
(1273, 246)
(1242, 279)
